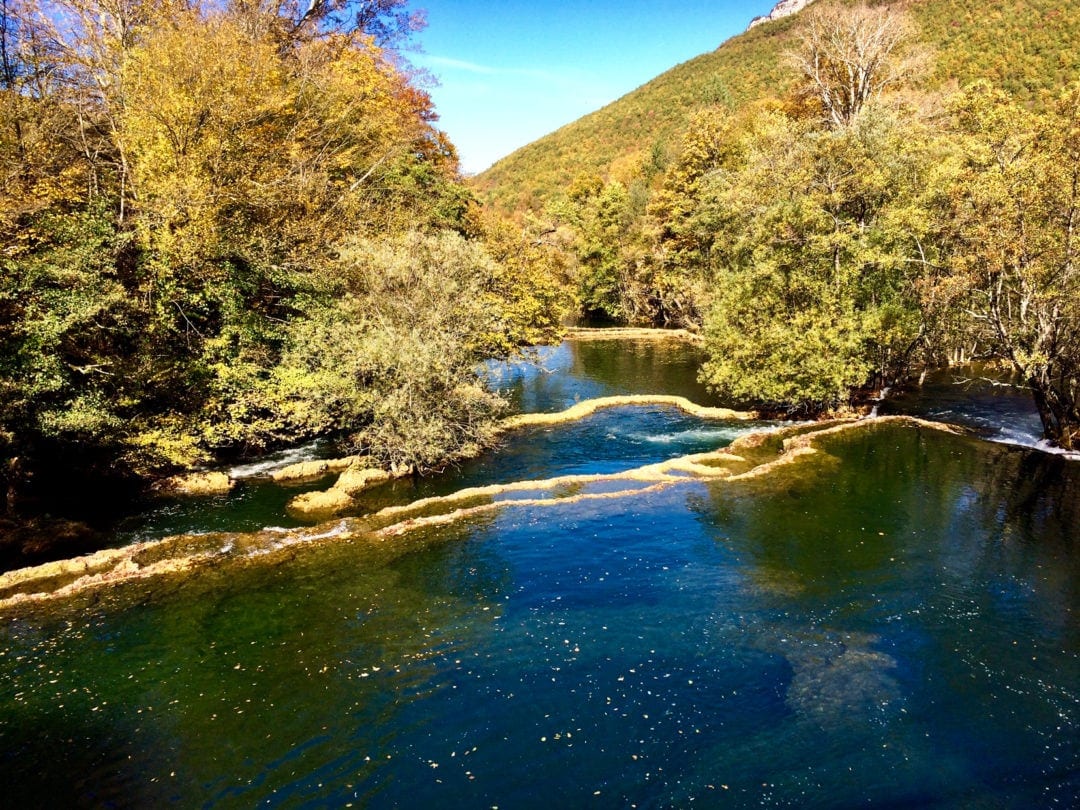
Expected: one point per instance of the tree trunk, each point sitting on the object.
(1060, 428)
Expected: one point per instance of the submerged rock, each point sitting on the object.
(839, 678)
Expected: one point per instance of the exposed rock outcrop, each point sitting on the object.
(307, 470)
(353, 480)
(785, 8)
(199, 483)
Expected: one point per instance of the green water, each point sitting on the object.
(578, 370)
(891, 623)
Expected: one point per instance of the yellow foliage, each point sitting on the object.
(226, 134)
(204, 109)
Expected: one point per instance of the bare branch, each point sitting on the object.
(851, 55)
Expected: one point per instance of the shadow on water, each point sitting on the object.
(926, 590)
(979, 396)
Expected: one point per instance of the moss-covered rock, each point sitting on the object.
(195, 484)
(308, 470)
(352, 481)
(319, 504)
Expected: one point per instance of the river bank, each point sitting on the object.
(294, 491)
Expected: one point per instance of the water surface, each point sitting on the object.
(553, 379)
(893, 622)
(576, 370)
(990, 400)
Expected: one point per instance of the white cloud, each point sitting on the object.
(449, 63)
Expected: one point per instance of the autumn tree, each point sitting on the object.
(817, 247)
(1012, 217)
(849, 55)
(185, 186)
(601, 215)
(682, 229)
(388, 23)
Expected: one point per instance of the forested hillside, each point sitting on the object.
(227, 228)
(1026, 47)
(838, 200)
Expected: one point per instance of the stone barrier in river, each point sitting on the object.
(752, 456)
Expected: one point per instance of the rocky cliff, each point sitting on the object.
(784, 8)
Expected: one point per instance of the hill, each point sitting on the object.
(1025, 46)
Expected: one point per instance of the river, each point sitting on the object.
(891, 620)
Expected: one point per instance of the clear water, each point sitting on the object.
(574, 371)
(611, 440)
(891, 623)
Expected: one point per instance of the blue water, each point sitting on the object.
(893, 622)
(560, 376)
(988, 399)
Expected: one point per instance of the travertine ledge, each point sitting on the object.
(630, 333)
(182, 554)
(591, 406)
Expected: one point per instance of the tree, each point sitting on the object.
(388, 355)
(182, 184)
(850, 55)
(602, 217)
(388, 23)
(817, 252)
(1012, 215)
(683, 236)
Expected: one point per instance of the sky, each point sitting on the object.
(511, 71)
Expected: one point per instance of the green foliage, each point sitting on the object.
(649, 120)
(530, 286)
(390, 355)
(601, 215)
(227, 230)
(1010, 215)
(65, 316)
(815, 238)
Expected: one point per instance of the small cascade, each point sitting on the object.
(264, 466)
(881, 397)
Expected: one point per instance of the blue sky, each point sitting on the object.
(512, 71)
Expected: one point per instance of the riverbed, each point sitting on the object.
(890, 620)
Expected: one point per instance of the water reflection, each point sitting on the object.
(574, 371)
(986, 398)
(926, 585)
